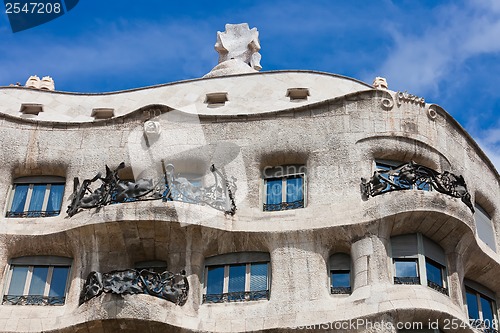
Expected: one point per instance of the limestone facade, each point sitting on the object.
(335, 134)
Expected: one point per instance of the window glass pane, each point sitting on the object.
(37, 196)
(434, 273)
(472, 306)
(294, 188)
(341, 278)
(58, 282)
(38, 280)
(237, 278)
(258, 277)
(406, 268)
(215, 280)
(18, 280)
(487, 309)
(55, 198)
(274, 191)
(19, 199)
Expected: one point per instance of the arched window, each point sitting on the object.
(340, 273)
(40, 280)
(418, 260)
(236, 277)
(36, 197)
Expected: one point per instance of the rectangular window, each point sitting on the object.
(481, 310)
(283, 193)
(436, 274)
(341, 282)
(340, 273)
(237, 282)
(406, 271)
(36, 197)
(37, 284)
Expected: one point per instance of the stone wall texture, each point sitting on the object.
(337, 134)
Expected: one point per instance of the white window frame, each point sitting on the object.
(37, 261)
(31, 182)
(283, 172)
(241, 258)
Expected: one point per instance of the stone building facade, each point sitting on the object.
(244, 201)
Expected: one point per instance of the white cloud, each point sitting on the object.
(489, 140)
(438, 47)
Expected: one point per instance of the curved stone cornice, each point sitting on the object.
(266, 91)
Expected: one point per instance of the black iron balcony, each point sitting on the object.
(437, 287)
(284, 206)
(33, 300)
(32, 213)
(414, 176)
(340, 290)
(407, 280)
(239, 296)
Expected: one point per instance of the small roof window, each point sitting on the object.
(297, 94)
(30, 108)
(102, 113)
(216, 99)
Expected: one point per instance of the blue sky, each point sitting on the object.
(445, 51)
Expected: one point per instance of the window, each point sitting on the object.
(418, 260)
(237, 277)
(480, 308)
(216, 99)
(36, 197)
(484, 227)
(340, 273)
(38, 280)
(406, 271)
(284, 187)
(297, 94)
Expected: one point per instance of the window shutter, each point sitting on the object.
(340, 261)
(404, 246)
(434, 251)
(484, 227)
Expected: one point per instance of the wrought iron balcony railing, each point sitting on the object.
(33, 300)
(102, 191)
(407, 280)
(437, 287)
(340, 290)
(32, 213)
(284, 206)
(414, 176)
(239, 296)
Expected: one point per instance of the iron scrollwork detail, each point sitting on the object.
(169, 187)
(414, 176)
(169, 286)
